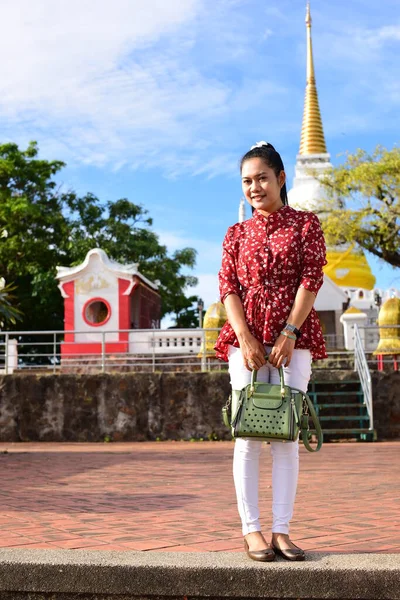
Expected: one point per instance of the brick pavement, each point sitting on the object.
(179, 496)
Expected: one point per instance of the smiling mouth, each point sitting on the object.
(257, 197)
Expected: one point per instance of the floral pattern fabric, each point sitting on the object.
(265, 260)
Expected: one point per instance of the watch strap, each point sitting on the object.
(293, 329)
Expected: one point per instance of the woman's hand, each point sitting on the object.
(282, 350)
(253, 352)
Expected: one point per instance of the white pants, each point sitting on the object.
(285, 456)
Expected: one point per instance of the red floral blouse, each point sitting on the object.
(265, 260)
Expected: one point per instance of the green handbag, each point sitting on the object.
(273, 413)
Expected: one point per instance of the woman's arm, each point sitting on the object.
(302, 305)
(253, 351)
(284, 346)
(311, 279)
(229, 287)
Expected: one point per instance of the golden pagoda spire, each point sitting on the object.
(312, 134)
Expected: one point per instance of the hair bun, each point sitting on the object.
(261, 144)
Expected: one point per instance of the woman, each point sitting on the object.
(270, 275)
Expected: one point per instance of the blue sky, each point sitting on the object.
(157, 101)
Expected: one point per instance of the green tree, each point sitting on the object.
(363, 203)
(121, 229)
(186, 316)
(48, 227)
(8, 312)
(31, 212)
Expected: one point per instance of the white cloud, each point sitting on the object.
(356, 77)
(89, 76)
(119, 85)
(70, 40)
(173, 241)
(208, 252)
(351, 47)
(208, 258)
(167, 321)
(179, 84)
(384, 34)
(207, 288)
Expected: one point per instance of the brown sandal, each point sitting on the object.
(265, 555)
(289, 553)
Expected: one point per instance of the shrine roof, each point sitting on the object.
(125, 271)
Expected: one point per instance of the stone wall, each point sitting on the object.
(140, 406)
(119, 407)
(386, 404)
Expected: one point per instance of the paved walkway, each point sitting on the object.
(179, 496)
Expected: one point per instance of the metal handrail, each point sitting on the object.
(154, 347)
(361, 366)
(179, 344)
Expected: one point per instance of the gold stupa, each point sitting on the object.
(312, 133)
(214, 318)
(389, 337)
(347, 267)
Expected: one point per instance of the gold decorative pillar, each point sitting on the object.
(389, 337)
(214, 318)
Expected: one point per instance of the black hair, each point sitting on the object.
(273, 159)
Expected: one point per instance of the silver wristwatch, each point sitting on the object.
(293, 329)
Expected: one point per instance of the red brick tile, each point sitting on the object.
(11, 541)
(75, 543)
(219, 545)
(82, 495)
(178, 549)
(150, 545)
(106, 548)
(35, 545)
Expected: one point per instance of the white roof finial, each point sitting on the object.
(242, 210)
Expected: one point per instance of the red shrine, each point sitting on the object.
(102, 297)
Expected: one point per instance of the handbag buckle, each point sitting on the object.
(228, 402)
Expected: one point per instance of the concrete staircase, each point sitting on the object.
(339, 403)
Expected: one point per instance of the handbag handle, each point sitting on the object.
(305, 427)
(254, 379)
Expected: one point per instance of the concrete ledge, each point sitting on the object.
(99, 575)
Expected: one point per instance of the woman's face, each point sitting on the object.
(261, 186)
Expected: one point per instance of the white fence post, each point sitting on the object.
(6, 354)
(11, 355)
(103, 351)
(54, 351)
(204, 352)
(153, 345)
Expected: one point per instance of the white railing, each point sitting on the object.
(145, 349)
(361, 366)
(334, 341)
(161, 341)
(372, 335)
(142, 349)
